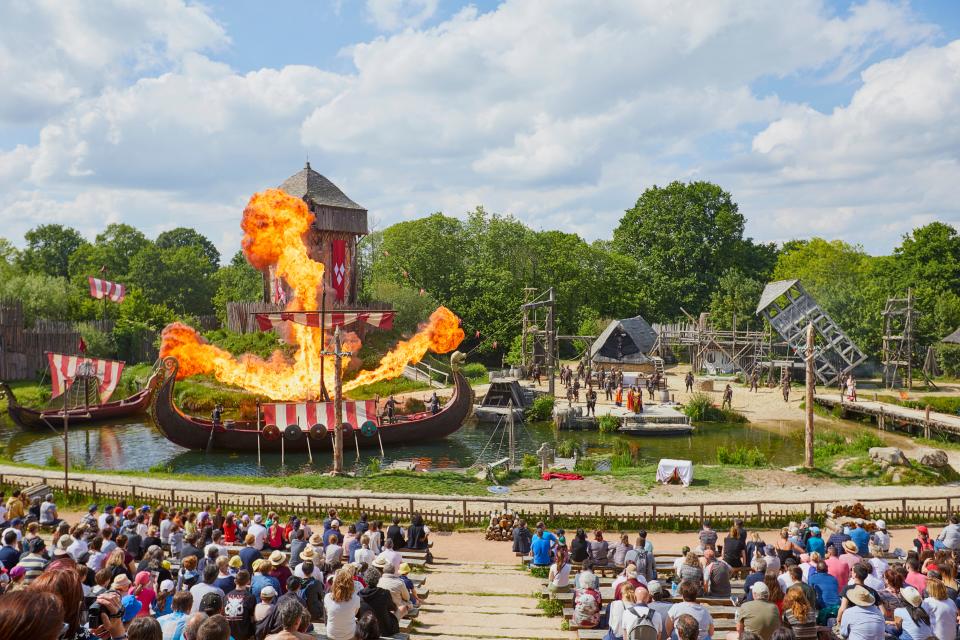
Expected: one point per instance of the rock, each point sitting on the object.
(936, 458)
(890, 455)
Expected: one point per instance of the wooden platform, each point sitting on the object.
(891, 415)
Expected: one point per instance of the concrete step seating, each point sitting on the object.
(721, 625)
(319, 634)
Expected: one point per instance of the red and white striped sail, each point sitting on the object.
(378, 319)
(100, 289)
(307, 414)
(64, 368)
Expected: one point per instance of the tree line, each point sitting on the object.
(680, 249)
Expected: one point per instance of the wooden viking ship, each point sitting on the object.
(80, 386)
(294, 431)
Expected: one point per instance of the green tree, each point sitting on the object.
(42, 295)
(186, 237)
(842, 278)
(928, 262)
(181, 278)
(49, 248)
(236, 282)
(736, 295)
(683, 236)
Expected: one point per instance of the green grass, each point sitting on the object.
(386, 388)
(742, 456)
(941, 404)
(29, 394)
(608, 424)
(550, 607)
(699, 408)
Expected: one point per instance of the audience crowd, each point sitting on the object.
(125, 573)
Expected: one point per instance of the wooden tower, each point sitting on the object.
(339, 222)
(789, 309)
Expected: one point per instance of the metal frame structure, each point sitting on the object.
(788, 308)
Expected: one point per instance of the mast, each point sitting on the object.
(337, 402)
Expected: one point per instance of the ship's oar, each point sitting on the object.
(213, 427)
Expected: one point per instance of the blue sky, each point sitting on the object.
(837, 119)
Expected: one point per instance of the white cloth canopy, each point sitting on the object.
(683, 469)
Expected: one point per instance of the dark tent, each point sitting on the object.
(626, 341)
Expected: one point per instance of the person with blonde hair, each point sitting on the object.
(615, 611)
(341, 605)
(941, 609)
(798, 614)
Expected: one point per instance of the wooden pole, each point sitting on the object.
(380, 440)
(550, 344)
(808, 432)
(356, 441)
(258, 433)
(283, 450)
(66, 448)
(337, 407)
(513, 443)
(309, 450)
(325, 396)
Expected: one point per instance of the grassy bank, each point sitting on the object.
(700, 408)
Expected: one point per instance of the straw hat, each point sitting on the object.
(257, 565)
(268, 592)
(850, 546)
(316, 540)
(404, 569)
(235, 562)
(121, 583)
(380, 562)
(277, 558)
(859, 596)
(911, 595)
(307, 554)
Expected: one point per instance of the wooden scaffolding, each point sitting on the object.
(746, 349)
(899, 318)
(789, 309)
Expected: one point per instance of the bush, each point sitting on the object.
(474, 372)
(742, 456)
(608, 424)
(530, 461)
(623, 456)
(540, 572)
(948, 357)
(699, 407)
(566, 448)
(541, 409)
(260, 343)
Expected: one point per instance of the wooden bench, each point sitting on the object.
(599, 634)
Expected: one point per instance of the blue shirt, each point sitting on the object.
(862, 538)
(260, 582)
(249, 555)
(827, 588)
(352, 548)
(862, 623)
(751, 580)
(816, 544)
(9, 557)
(540, 547)
(172, 625)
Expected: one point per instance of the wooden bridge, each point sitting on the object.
(890, 416)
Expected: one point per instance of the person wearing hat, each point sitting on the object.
(850, 554)
(280, 570)
(267, 597)
(404, 574)
(880, 539)
(61, 555)
(258, 531)
(307, 555)
(758, 615)
(164, 600)
(211, 604)
(910, 617)
(861, 620)
(298, 542)
(390, 581)
(33, 563)
(660, 603)
(262, 579)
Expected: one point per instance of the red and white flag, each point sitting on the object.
(64, 368)
(338, 277)
(100, 289)
(332, 319)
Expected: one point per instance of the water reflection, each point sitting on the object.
(139, 446)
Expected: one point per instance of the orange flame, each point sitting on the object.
(274, 224)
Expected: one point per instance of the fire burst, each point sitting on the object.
(274, 224)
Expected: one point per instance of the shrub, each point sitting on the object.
(948, 357)
(699, 407)
(566, 448)
(551, 607)
(608, 424)
(624, 456)
(475, 371)
(742, 456)
(540, 572)
(541, 409)
(530, 461)
(585, 464)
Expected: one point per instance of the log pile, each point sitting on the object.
(501, 526)
(839, 514)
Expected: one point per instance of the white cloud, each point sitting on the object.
(557, 111)
(55, 52)
(391, 15)
(876, 167)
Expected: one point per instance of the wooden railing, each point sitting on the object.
(448, 512)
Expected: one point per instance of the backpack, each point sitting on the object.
(644, 629)
(646, 566)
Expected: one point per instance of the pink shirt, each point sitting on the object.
(916, 580)
(146, 598)
(839, 570)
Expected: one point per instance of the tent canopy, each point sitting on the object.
(953, 338)
(626, 341)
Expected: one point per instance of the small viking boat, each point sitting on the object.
(82, 386)
(305, 426)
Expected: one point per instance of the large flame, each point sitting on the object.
(274, 224)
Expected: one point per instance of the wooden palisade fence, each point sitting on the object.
(449, 512)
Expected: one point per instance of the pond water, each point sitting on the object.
(139, 446)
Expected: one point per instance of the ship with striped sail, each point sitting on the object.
(81, 388)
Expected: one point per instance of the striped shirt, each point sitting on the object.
(34, 566)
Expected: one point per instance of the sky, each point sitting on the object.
(832, 119)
